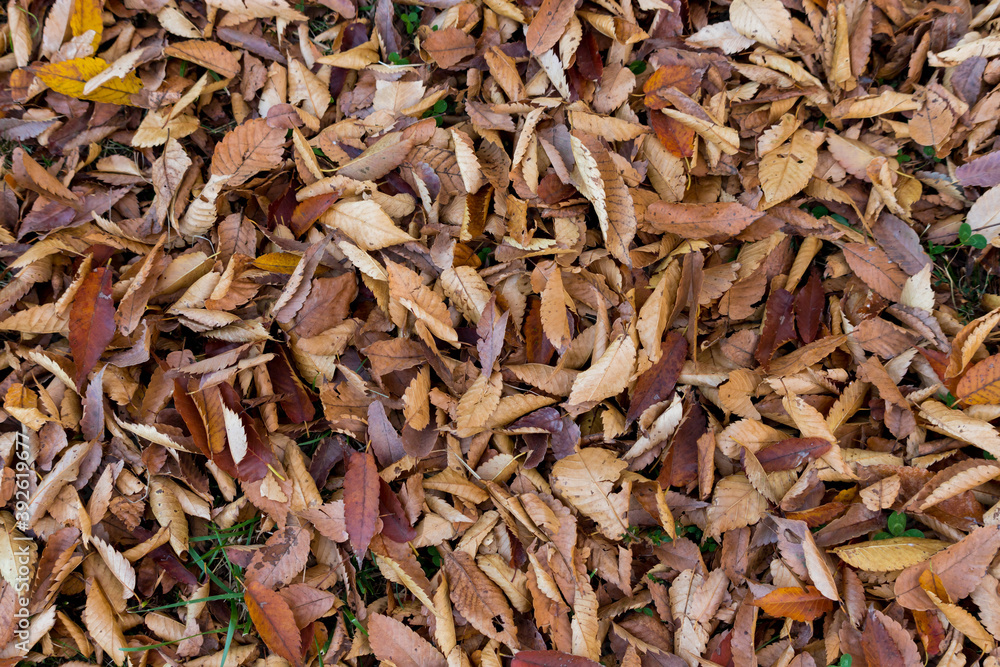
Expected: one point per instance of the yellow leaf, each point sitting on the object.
(278, 262)
(70, 76)
(87, 16)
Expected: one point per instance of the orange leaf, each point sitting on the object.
(682, 77)
(795, 603)
(981, 384)
(274, 621)
(309, 211)
(91, 322)
(932, 583)
(70, 76)
(676, 138)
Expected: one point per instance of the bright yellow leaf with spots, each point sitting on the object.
(69, 77)
(87, 16)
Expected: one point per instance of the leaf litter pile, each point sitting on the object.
(506, 333)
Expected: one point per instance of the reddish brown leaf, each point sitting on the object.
(550, 659)
(395, 525)
(588, 58)
(931, 631)
(779, 326)
(657, 383)
(91, 322)
(878, 645)
(361, 500)
(791, 453)
(538, 347)
(295, 398)
(191, 416)
(809, 305)
(680, 465)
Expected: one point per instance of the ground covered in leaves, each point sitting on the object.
(502, 333)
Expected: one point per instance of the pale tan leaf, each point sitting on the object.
(308, 88)
(723, 137)
(504, 70)
(416, 408)
(554, 314)
(961, 426)
(766, 21)
(202, 213)
(259, 9)
(56, 26)
(478, 404)
(723, 36)
(365, 223)
(608, 376)
(961, 477)
(467, 290)
(391, 640)
(168, 513)
(20, 33)
(881, 494)
(586, 480)
(598, 180)
(157, 126)
(429, 308)
(117, 563)
(468, 163)
(735, 504)
(987, 597)
(984, 216)
(236, 434)
(103, 626)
